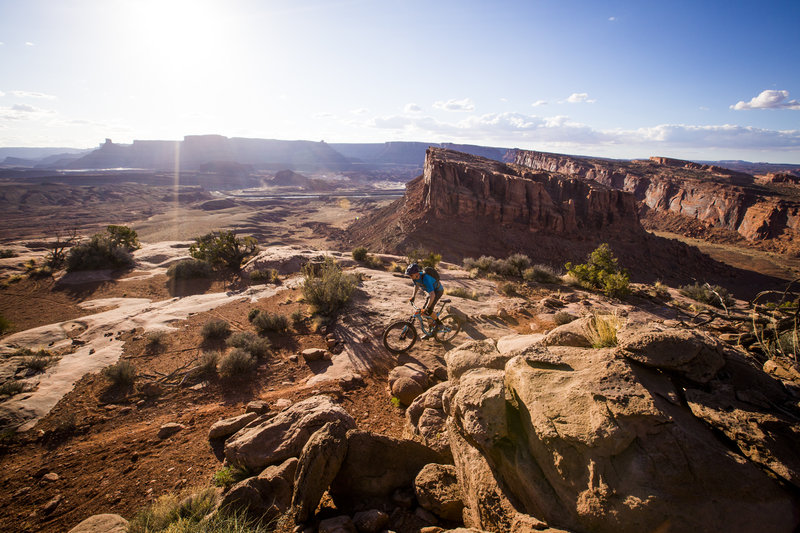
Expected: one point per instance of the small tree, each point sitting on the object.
(103, 250)
(65, 238)
(123, 236)
(330, 289)
(601, 272)
(223, 249)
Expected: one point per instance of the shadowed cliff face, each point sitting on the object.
(716, 196)
(468, 206)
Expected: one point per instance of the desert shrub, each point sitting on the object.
(5, 325)
(330, 290)
(601, 272)
(231, 474)
(216, 329)
(223, 249)
(98, 253)
(658, 290)
(708, 294)
(123, 237)
(508, 289)
(602, 330)
(190, 269)
(176, 513)
(43, 271)
(562, 317)
(518, 263)
(266, 322)
(266, 275)
(207, 363)
(424, 258)
(397, 267)
(541, 274)
(257, 346)
(5, 254)
(297, 317)
(461, 292)
(252, 314)
(38, 363)
(484, 264)
(155, 340)
(236, 363)
(373, 262)
(122, 373)
(11, 387)
(360, 253)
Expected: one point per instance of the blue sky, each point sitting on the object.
(694, 80)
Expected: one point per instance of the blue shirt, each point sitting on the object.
(427, 283)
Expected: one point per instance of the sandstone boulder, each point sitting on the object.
(407, 382)
(267, 495)
(285, 434)
(426, 420)
(169, 429)
(371, 521)
(516, 342)
(102, 523)
(229, 426)
(318, 465)
(437, 490)
(570, 334)
(471, 355)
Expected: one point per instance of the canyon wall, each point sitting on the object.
(717, 197)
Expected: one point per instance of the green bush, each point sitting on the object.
(216, 329)
(265, 322)
(123, 237)
(190, 269)
(121, 373)
(330, 290)
(223, 249)
(360, 253)
(176, 513)
(601, 272)
(99, 252)
(268, 275)
(257, 346)
(708, 294)
(236, 363)
(11, 387)
(541, 274)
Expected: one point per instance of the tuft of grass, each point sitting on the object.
(11, 388)
(297, 317)
(155, 340)
(461, 292)
(207, 363)
(257, 346)
(708, 294)
(360, 253)
(216, 329)
(38, 363)
(122, 373)
(562, 317)
(602, 330)
(267, 275)
(230, 475)
(174, 513)
(236, 363)
(190, 269)
(265, 322)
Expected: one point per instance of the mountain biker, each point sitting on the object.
(430, 285)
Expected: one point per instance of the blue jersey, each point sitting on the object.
(427, 283)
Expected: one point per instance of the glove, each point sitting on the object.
(411, 299)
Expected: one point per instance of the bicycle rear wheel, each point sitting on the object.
(449, 329)
(399, 336)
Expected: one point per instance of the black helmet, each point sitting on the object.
(413, 268)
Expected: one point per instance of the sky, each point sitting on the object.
(699, 79)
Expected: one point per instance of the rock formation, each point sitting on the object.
(715, 196)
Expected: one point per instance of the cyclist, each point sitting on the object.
(430, 285)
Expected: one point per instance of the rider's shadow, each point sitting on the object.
(473, 333)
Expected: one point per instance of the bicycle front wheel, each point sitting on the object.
(448, 330)
(399, 336)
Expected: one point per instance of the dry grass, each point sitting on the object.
(603, 328)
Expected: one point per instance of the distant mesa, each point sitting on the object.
(289, 178)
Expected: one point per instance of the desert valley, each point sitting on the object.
(626, 357)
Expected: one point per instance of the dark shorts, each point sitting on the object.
(432, 301)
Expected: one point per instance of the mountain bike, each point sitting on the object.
(401, 335)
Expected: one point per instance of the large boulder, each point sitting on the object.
(437, 490)
(426, 421)
(586, 440)
(319, 463)
(407, 382)
(265, 496)
(570, 334)
(284, 435)
(374, 467)
(228, 426)
(102, 523)
(474, 354)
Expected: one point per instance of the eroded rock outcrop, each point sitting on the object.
(669, 430)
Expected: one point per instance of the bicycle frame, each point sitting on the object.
(418, 315)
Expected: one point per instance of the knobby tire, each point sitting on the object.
(392, 340)
(448, 330)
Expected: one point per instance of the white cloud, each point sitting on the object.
(768, 99)
(539, 103)
(412, 108)
(30, 94)
(2, 93)
(324, 114)
(612, 19)
(359, 111)
(577, 98)
(464, 104)
(28, 43)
